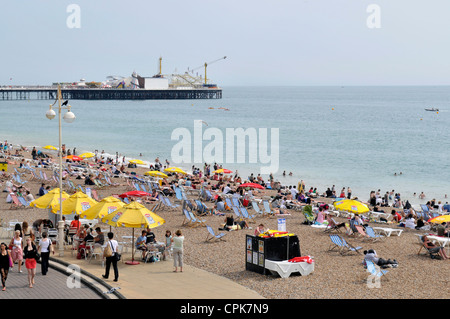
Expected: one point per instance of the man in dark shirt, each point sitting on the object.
(42, 190)
(100, 238)
(150, 237)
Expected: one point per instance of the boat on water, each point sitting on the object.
(432, 109)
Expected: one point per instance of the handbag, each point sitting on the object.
(38, 257)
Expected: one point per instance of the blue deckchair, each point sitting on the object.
(372, 235)
(376, 271)
(236, 211)
(212, 236)
(256, 208)
(246, 215)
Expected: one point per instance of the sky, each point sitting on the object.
(268, 43)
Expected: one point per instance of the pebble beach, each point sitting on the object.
(334, 277)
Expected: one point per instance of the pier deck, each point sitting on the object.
(49, 93)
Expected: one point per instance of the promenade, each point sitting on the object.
(142, 281)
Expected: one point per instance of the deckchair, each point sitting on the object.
(372, 235)
(256, 208)
(178, 194)
(246, 215)
(376, 271)
(212, 236)
(347, 248)
(95, 195)
(236, 202)
(206, 194)
(196, 220)
(342, 246)
(307, 212)
(236, 211)
(24, 202)
(166, 201)
(15, 202)
(187, 218)
(136, 186)
(361, 231)
(432, 254)
(334, 226)
(267, 209)
(202, 208)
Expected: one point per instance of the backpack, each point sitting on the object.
(107, 252)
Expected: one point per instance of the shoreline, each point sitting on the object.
(362, 193)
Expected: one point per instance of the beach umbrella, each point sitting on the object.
(156, 174)
(440, 219)
(223, 171)
(175, 170)
(252, 185)
(87, 155)
(352, 206)
(136, 161)
(134, 194)
(49, 200)
(50, 147)
(73, 158)
(75, 204)
(133, 215)
(103, 208)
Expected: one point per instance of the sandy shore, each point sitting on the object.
(335, 276)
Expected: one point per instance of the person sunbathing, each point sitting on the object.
(432, 248)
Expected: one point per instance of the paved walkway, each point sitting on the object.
(51, 286)
(158, 281)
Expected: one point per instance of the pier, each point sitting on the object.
(49, 93)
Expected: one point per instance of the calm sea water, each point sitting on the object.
(343, 136)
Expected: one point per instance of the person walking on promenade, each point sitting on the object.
(16, 249)
(45, 247)
(5, 263)
(30, 252)
(178, 250)
(112, 259)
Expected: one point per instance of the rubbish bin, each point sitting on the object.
(258, 249)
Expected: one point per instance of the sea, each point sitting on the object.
(366, 138)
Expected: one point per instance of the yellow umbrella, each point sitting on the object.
(440, 219)
(50, 147)
(75, 204)
(156, 174)
(175, 170)
(352, 206)
(133, 215)
(49, 200)
(87, 155)
(103, 208)
(136, 161)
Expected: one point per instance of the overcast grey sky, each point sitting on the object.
(283, 42)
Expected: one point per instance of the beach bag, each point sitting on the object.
(107, 252)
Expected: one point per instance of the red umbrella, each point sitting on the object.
(73, 158)
(252, 185)
(134, 194)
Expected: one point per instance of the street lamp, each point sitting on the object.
(69, 117)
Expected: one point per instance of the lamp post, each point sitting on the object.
(69, 117)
